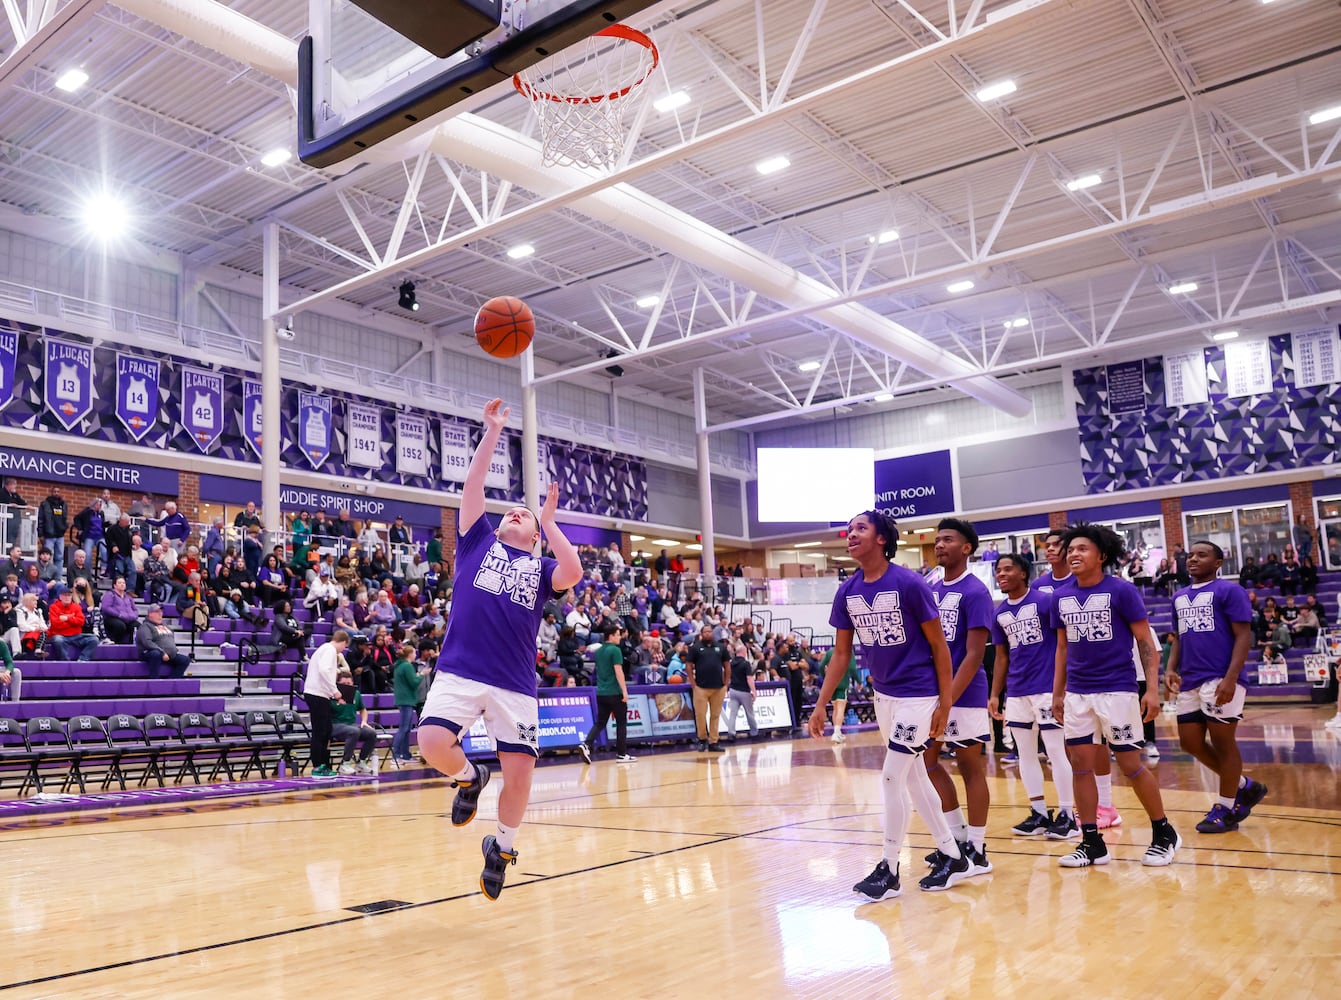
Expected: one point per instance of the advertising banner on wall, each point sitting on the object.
(455, 451)
(202, 406)
(69, 381)
(1126, 387)
(411, 445)
(9, 355)
(363, 436)
(915, 485)
(639, 714)
(565, 718)
(137, 394)
(251, 414)
(672, 712)
(772, 710)
(314, 427)
(1185, 378)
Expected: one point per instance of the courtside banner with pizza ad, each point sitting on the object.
(640, 709)
(672, 710)
(566, 715)
(772, 709)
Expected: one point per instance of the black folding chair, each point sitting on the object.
(164, 737)
(268, 745)
(198, 744)
(297, 738)
(48, 744)
(14, 755)
(230, 734)
(126, 733)
(92, 750)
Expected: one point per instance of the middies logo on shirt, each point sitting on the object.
(1195, 614)
(518, 578)
(880, 624)
(1022, 627)
(1091, 621)
(947, 605)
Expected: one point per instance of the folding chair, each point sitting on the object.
(297, 738)
(126, 733)
(48, 743)
(92, 749)
(198, 743)
(14, 754)
(268, 745)
(230, 734)
(164, 737)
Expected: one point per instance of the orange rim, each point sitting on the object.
(621, 31)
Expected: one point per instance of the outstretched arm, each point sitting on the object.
(569, 570)
(472, 491)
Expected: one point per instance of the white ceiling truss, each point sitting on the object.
(1193, 114)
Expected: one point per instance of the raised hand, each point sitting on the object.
(551, 504)
(496, 414)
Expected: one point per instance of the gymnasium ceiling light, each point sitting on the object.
(276, 157)
(888, 236)
(1081, 183)
(884, 397)
(995, 91)
(671, 101)
(1183, 288)
(808, 366)
(955, 287)
(647, 301)
(71, 80)
(105, 216)
(407, 297)
(1224, 335)
(1325, 115)
(772, 165)
(521, 251)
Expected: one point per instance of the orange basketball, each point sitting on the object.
(504, 326)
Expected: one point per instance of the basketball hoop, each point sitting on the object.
(582, 94)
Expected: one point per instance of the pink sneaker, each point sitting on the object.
(1108, 816)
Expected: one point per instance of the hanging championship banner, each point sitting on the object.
(69, 381)
(455, 451)
(202, 406)
(314, 427)
(251, 414)
(1248, 368)
(499, 476)
(1185, 378)
(137, 394)
(9, 354)
(1126, 387)
(363, 436)
(411, 445)
(1317, 358)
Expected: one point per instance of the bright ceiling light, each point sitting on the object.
(276, 157)
(806, 545)
(1226, 335)
(883, 397)
(106, 216)
(808, 366)
(1325, 115)
(995, 91)
(636, 538)
(521, 251)
(955, 287)
(1183, 288)
(664, 541)
(647, 301)
(888, 236)
(1081, 183)
(695, 547)
(772, 165)
(1017, 323)
(671, 101)
(71, 80)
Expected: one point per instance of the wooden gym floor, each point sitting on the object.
(677, 876)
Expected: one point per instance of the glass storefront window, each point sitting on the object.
(1216, 526)
(1144, 539)
(1242, 532)
(1329, 532)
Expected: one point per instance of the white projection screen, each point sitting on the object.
(814, 485)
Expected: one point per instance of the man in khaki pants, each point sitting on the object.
(707, 673)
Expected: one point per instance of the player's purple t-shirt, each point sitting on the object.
(1049, 584)
(887, 617)
(1098, 624)
(1205, 631)
(1025, 628)
(498, 598)
(963, 605)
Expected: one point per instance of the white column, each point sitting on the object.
(530, 438)
(709, 554)
(270, 436)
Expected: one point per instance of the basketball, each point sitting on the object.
(504, 326)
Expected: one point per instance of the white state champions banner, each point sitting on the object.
(363, 436)
(455, 451)
(411, 445)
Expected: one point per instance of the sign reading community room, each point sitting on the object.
(87, 471)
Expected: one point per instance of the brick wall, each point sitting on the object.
(449, 537)
(34, 491)
(1172, 510)
(1057, 520)
(1301, 497)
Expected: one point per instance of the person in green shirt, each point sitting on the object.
(405, 676)
(612, 697)
(839, 694)
(433, 551)
(349, 722)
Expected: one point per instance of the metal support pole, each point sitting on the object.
(530, 437)
(272, 516)
(709, 554)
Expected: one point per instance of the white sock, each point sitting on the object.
(1105, 783)
(1054, 741)
(507, 836)
(1031, 768)
(896, 770)
(954, 819)
(977, 836)
(466, 773)
(927, 801)
(1243, 781)
(1227, 803)
(1039, 806)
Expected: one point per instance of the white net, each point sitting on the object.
(584, 94)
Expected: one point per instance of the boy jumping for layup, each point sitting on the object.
(487, 664)
(1209, 649)
(1026, 662)
(891, 608)
(965, 607)
(1094, 690)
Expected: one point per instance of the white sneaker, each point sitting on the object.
(1334, 722)
(348, 768)
(1152, 750)
(585, 751)
(625, 758)
(363, 768)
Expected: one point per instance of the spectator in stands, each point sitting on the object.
(1308, 575)
(1250, 573)
(9, 496)
(252, 552)
(15, 564)
(118, 540)
(1288, 613)
(405, 679)
(270, 585)
(120, 616)
(175, 527)
(547, 639)
(11, 589)
(143, 507)
(194, 603)
(1271, 657)
(11, 677)
(321, 529)
(135, 576)
(32, 583)
(378, 663)
(52, 524)
(86, 597)
(68, 637)
(378, 569)
(91, 532)
(415, 570)
(1166, 577)
(1304, 537)
(411, 605)
(156, 646)
(247, 518)
(347, 576)
(47, 568)
(288, 632)
(80, 565)
(1288, 581)
(323, 594)
(1180, 564)
(111, 512)
(349, 724)
(580, 622)
(1278, 633)
(1304, 629)
(343, 616)
(158, 583)
(214, 546)
(1269, 573)
(28, 634)
(383, 611)
(569, 653)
